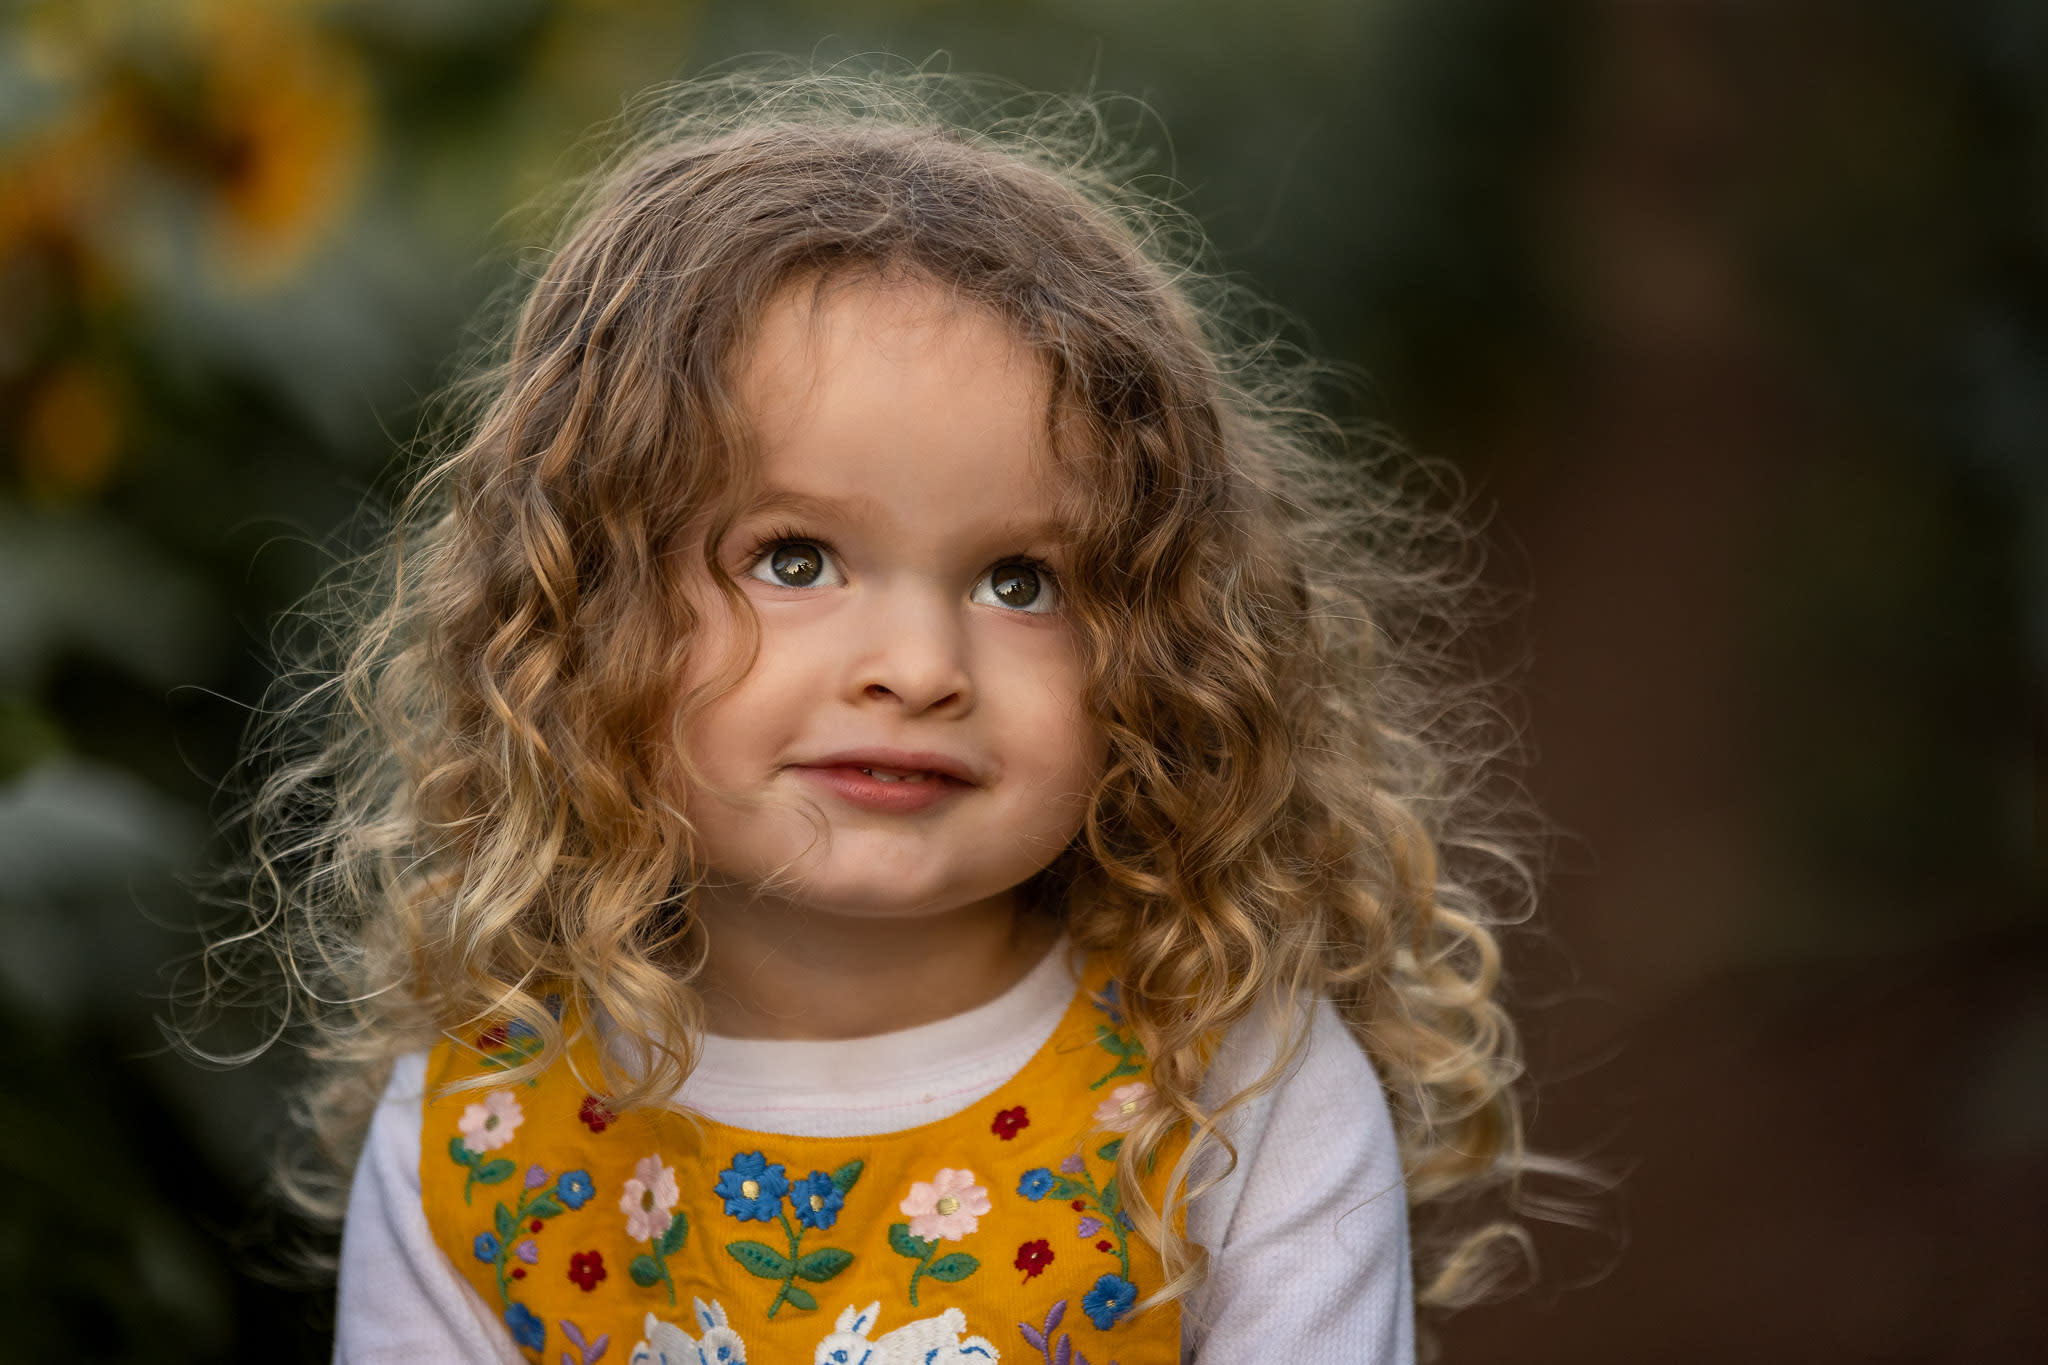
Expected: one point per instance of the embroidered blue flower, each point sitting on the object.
(1108, 1301)
(752, 1188)
(520, 1031)
(552, 1002)
(574, 1188)
(1110, 1002)
(486, 1248)
(817, 1200)
(528, 1330)
(1037, 1182)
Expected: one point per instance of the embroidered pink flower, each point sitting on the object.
(948, 1208)
(1010, 1122)
(1124, 1105)
(1073, 1165)
(649, 1199)
(491, 1124)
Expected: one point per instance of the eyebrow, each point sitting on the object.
(774, 501)
(804, 506)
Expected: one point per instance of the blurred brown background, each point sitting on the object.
(1735, 314)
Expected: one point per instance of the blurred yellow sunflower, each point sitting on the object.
(286, 123)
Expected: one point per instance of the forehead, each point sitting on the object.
(896, 400)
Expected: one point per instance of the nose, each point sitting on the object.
(913, 653)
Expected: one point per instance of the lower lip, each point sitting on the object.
(862, 789)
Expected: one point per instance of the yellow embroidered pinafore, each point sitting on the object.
(994, 1234)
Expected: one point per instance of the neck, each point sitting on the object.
(778, 969)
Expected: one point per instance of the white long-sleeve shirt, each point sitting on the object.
(1307, 1237)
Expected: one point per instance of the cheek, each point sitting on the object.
(1074, 744)
(717, 640)
(716, 680)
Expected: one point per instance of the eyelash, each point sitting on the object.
(784, 534)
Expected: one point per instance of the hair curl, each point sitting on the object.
(476, 795)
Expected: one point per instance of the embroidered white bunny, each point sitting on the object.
(667, 1344)
(932, 1341)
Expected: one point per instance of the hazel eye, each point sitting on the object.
(1018, 585)
(795, 564)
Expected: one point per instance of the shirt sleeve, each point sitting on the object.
(399, 1298)
(1308, 1235)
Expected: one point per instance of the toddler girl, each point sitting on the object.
(898, 804)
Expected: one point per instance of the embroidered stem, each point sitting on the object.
(1110, 1206)
(795, 1237)
(508, 1240)
(650, 1267)
(496, 1171)
(661, 1263)
(1106, 1201)
(1128, 1051)
(917, 1271)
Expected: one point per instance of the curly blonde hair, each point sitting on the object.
(477, 796)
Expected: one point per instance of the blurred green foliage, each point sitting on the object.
(241, 243)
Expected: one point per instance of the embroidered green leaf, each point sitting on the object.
(491, 1172)
(544, 1207)
(670, 1242)
(903, 1244)
(952, 1268)
(844, 1177)
(1110, 1203)
(1112, 1043)
(506, 1223)
(646, 1272)
(822, 1264)
(801, 1297)
(459, 1150)
(760, 1259)
(1108, 1150)
(516, 1053)
(1063, 1188)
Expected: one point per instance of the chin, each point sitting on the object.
(871, 897)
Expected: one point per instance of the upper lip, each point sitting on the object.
(902, 760)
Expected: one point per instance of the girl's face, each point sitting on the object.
(910, 738)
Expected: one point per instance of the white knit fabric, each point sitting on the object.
(1308, 1236)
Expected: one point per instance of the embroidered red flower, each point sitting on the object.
(1104, 1245)
(536, 1225)
(518, 1272)
(494, 1038)
(1010, 1122)
(586, 1268)
(1034, 1257)
(1080, 1206)
(596, 1114)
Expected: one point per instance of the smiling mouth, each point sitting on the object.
(895, 775)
